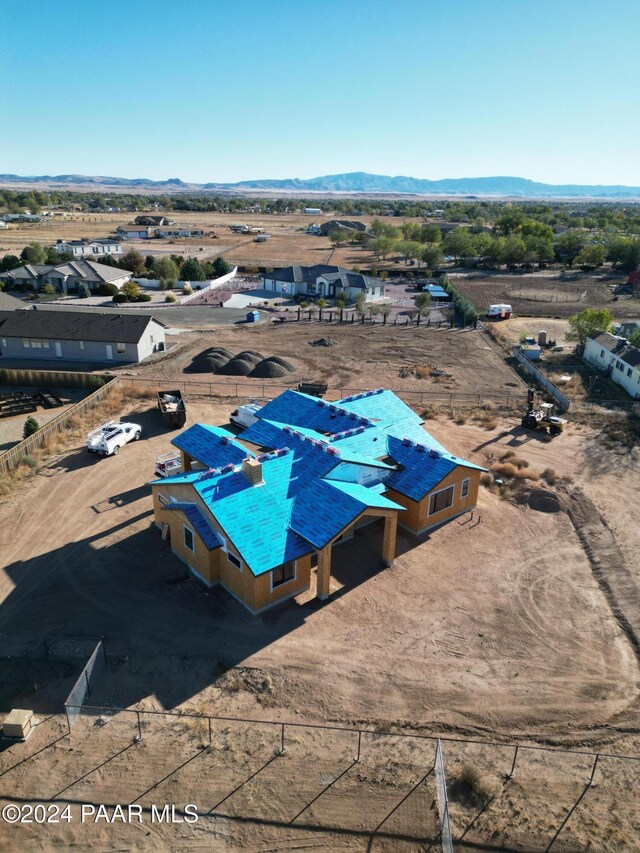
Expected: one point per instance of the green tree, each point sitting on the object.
(131, 290)
(106, 260)
(569, 245)
(192, 270)
(589, 324)
(514, 250)
(132, 261)
(165, 268)
(360, 302)
(423, 303)
(410, 249)
(591, 256)
(10, 262)
(634, 338)
(150, 262)
(31, 426)
(220, 267)
(430, 234)
(458, 243)
(48, 289)
(34, 253)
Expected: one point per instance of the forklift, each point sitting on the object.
(540, 417)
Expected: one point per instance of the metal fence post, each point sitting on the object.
(209, 719)
(139, 725)
(359, 744)
(282, 746)
(513, 765)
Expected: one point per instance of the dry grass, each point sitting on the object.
(470, 787)
(514, 471)
(549, 476)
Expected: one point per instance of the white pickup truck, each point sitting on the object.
(110, 437)
(245, 416)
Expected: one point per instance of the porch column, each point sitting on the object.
(324, 572)
(389, 540)
(186, 461)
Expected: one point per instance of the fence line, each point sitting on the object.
(91, 671)
(212, 285)
(543, 380)
(49, 378)
(442, 800)
(10, 458)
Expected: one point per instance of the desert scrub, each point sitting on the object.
(486, 479)
(549, 476)
(515, 472)
(470, 787)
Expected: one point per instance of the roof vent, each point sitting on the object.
(435, 454)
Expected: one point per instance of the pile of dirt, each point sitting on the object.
(282, 362)
(206, 364)
(323, 342)
(270, 369)
(236, 367)
(251, 355)
(218, 351)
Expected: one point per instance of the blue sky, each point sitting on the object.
(225, 90)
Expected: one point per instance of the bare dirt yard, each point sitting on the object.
(356, 357)
(516, 624)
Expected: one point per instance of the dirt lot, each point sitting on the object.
(550, 293)
(11, 428)
(361, 357)
(501, 627)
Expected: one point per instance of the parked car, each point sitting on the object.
(245, 416)
(107, 439)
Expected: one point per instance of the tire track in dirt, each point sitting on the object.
(607, 563)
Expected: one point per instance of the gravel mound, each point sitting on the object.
(251, 355)
(323, 342)
(218, 351)
(206, 364)
(275, 359)
(269, 369)
(236, 367)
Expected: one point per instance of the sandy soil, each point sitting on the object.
(497, 627)
(362, 357)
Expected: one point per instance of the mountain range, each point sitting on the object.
(352, 182)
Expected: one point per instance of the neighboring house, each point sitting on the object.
(21, 217)
(626, 328)
(253, 516)
(79, 335)
(345, 225)
(134, 232)
(179, 231)
(85, 248)
(323, 280)
(66, 277)
(153, 220)
(10, 303)
(312, 211)
(617, 358)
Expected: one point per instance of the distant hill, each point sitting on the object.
(351, 182)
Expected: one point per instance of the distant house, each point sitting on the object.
(344, 225)
(323, 280)
(10, 303)
(79, 336)
(313, 211)
(179, 231)
(134, 232)
(617, 358)
(153, 220)
(65, 277)
(85, 248)
(21, 217)
(254, 516)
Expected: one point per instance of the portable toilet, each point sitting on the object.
(542, 338)
(253, 316)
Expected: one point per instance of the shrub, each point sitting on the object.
(31, 425)
(470, 786)
(170, 284)
(187, 289)
(144, 297)
(48, 289)
(83, 291)
(509, 469)
(549, 475)
(106, 289)
(95, 382)
(170, 298)
(120, 297)
(162, 285)
(486, 479)
(29, 461)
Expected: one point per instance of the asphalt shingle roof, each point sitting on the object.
(298, 274)
(616, 345)
(68, 325)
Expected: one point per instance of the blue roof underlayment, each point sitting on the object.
(213, 446)
(295, 510)
(199, 523)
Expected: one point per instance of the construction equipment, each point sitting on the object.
(540, 417)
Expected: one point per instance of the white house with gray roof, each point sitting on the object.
(66, 277)
(323, 281)
(88, 248)
(617, 358)
(65, 335)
